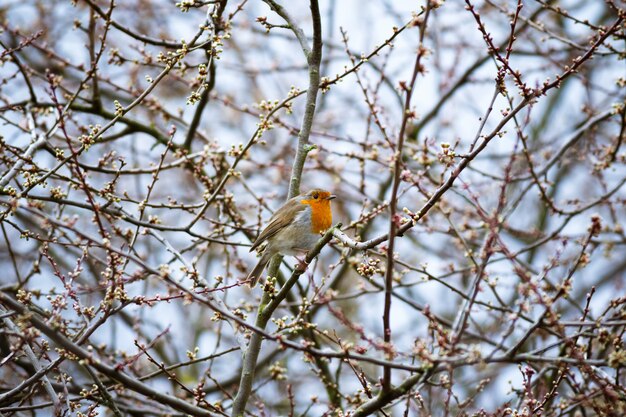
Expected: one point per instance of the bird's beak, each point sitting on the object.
(331, 197)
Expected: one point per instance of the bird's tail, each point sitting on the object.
(255, 274)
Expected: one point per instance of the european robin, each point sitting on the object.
(294, 228)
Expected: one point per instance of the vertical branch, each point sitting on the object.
(393, 220)
(95, 94)
(314, 59)
(216, 27)
(269, 302)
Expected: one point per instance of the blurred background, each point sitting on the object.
(145, 143)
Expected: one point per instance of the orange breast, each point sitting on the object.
(321, 215)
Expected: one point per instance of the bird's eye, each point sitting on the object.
(315, 196)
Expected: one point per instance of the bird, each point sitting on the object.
(294, 228)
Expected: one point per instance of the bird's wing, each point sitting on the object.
(281, 218)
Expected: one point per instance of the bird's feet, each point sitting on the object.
(302, 263)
